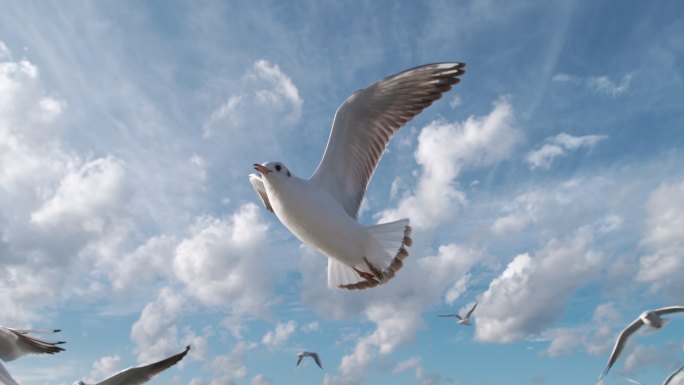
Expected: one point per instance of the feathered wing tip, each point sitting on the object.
(38, 345)
(386, 234)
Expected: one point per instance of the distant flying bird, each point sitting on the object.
(15, 343)
(650, 318)
(140, 374)
(322, 211)
(313, 355)
(465, 320)
(667, 380)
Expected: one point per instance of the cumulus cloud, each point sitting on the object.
(598, 84)
(223, 262)
(267, 96)
(280, 334)
(596, 337)
(260, 379)
(395, 308)
(102, 368)
(531, 292)
(664, 238)
(444, 149)
(231, 366)
(155, 333)
(559, 145)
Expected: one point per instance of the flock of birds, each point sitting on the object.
(322, 211)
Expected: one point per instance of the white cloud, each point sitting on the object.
(213, 266)
(394, 308)
(103, 368)
(510, 223)
(260, 379)
(280, 334)
(444, 149)
(664, 237)
(559, 146)
(85, 196)
(531, 292)
(597, 84)
(230, 367)
(311, 327)
(267, 97)
(596, 337)
(155, 333)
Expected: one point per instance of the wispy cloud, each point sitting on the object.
(560, 145)
(598, 84)
(267, 98)
(444, 149)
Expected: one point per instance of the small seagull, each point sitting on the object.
(650, 318)
(667, 380)
(313, 355)
(322, 211)
(140, 374)
(462, 321)
(15, 343)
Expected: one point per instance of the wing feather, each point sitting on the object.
(670, 309)
(368, 119)
(141, 374)
(258, 185)
(15, 343)
(620, 343)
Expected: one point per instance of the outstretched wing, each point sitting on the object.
(620, 343)
(141, 374)
(449, 315)
(5, 377)
(471, 310)
(258, 185)
(670, 309)
(299, 359)
(15, 343)
(317, 359)
(368, 119)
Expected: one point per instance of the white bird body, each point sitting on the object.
(650, 318)
(322, 211)
(307, 215)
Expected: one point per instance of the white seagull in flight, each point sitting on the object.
(313, 355)
(650, 318)
(464, 320)
(322, 211)
(15, 343)
(140, 374)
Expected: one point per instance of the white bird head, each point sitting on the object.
(79, 383)
(273, 170)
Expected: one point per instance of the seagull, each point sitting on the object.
(667, 380)
(313, 355)
(322, 211)
(15, 343)
(140, 374)
(462, 321)
(650, 318)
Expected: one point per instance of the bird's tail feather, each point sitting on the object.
(393, 238)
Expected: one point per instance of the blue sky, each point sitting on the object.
(547, 186)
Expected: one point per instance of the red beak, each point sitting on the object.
(261, 168)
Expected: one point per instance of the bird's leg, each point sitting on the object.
(378, 274)
(367, 276)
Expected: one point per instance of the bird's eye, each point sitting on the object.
(278, 167)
